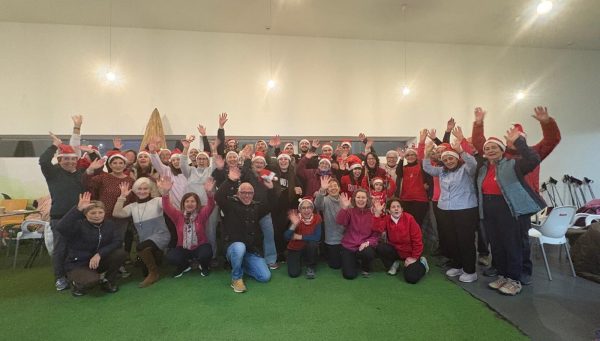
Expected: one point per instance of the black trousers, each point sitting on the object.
(351, 260)
(417, 209)
(505, 236)
(460, 226)
(525, 225)
(482, 240)
(334, 255)
(307, 255)
(388, 255)
(280, 224)
(181, 257)
(59, 251)
(87, 278)
(172, 230)
(442, 233)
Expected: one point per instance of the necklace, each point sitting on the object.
(141, 215)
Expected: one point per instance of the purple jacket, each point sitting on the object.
(359, 227)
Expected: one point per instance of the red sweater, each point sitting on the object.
(405, 235)
(348, 186)
(304, 229)
(412, 184)
(105, 187)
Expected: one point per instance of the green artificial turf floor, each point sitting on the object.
(381, 307)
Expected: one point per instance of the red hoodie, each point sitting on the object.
(405, 235)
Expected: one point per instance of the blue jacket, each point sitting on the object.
(457, 187)
(521, 199)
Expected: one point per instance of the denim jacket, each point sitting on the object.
(457, 187)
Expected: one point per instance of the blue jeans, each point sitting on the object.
(266, 225)
(249, 263)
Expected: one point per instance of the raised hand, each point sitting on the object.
(222, 120)
(512, 135)
(423, 135)
(458, 133)
(164, 184)
(84, 201)
(77, 120)
(124, 187)
(400, 152)
(377, 208)
(268, 183)
(369, 143)
(479, 115)
(432, 134)
(55, 140)
(214, 144)
(234, 174)
(345, 200)
(294, 217)
(298, 190)
(315, 143)
(117, 143)
(209, 185)
(457, 147)
(219, 162)
(429, 147)
(541, 114)
(153, 144)
(186, 143)
(450, 124)
(362, 136)
(275, 141)
(325, 182)
(201, 130)
(87, 149)
(96, 164)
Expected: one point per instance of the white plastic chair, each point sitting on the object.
(553, 230)
(25, 233)
(589, 219)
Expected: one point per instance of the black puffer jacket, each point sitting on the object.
(84, 239)
(241, 222)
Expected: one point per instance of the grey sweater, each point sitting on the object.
(330, 207)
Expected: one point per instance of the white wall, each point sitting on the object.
(325, 87)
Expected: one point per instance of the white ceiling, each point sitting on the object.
(573, 24)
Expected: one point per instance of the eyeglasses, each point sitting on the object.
(246, 193)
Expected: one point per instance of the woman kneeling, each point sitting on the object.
(304, 235)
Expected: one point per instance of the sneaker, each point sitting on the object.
(61, 284)
(203, 272)
(498, 283)
(123, 272)
(490, 272)
(453, 272)
(274, 266)
(109, 287)
(511, 287)
(179, 272)
(468, 278)
(526, 279)
(238, 285)
(484, 260)
(76, 291)
(365, 274)
(423, 261)
(310, 273)
(394, 268)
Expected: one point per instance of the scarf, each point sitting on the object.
(308, 220)
(189, 231)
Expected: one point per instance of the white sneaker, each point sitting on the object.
(394, 268)
(423, 261)
(454, 272)
(468, 278)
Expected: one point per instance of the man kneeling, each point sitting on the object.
(93, 247)
(242, 234)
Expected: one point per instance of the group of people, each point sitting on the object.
(270, 204)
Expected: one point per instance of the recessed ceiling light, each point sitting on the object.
(544, 7)
(406, 91)
(271, 84)
(520, 95)
(111, 76)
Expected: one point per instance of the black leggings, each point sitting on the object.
(351, 258)
(460, 227)
(307, 255)
(418, 209)
(388, 255)
(334, 255)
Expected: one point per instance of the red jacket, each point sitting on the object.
(405, 235)
(551, 138)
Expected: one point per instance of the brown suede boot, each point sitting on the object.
(150, 262)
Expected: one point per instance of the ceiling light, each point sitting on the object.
(520, 95)
(271, 84)
(544, 7)
(111, 76)
(406, 91)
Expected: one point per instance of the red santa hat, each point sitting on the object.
(287, 145)
(175, 154)
(308, 199)
(346, 143)
(284, 156)
(519, 127)
(94, 149)
(259, 156)
(377, 179)
(443, 146)
(411, 149)
(325, 159)
(327, 146)
(307, 141)
(497, 141)
(450, 152)
(353, 162)
(145, 152)
(111, 154)
(66, 150)
(203, 153)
